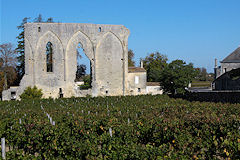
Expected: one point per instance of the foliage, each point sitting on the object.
(154, 65)
(49, 57)
(81, 72)
(87, 83)
(131, 62)
(203, 75)
(11, 77)
(38, 19)
(210, 77)
(87, 80)
(201, 83)
(143, 127)
(176, 76)
(20, 50)
(21, 44)
(31, 93)
(8, 58)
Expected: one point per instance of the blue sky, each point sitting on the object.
(195, 31)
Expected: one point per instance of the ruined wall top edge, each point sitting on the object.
(95, 27)
(65, 31)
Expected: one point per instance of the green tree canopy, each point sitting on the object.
(131, 62)
(176, 76)
(20, 50)
(202, 74)
(154, 64)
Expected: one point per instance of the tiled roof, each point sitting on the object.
(136, 69)
(153, 83)
(234, 57)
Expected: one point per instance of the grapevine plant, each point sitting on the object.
(130, 127)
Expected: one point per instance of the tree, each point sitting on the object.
(8, 57)
(20, 47)
(38, 19)
(176, 76)
(49, 57)
(50, 20)
(11, 76)
(131, 62)
(81, 72)
(20, 50)
(210, 77)
(154, 65)
(31, 93)
(202, 74)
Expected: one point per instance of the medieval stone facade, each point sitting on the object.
(106, 46)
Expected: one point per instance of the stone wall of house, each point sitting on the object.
(228, 81)
(137, 83)
(225, 67)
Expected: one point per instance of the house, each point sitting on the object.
(227, 74)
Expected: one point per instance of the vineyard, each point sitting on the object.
(131, 127)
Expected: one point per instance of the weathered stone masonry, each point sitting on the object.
(106, 46)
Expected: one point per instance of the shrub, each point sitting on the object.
(31, 93)
(87, 83)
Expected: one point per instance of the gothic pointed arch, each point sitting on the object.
(41, 58)
(71, 61)
(109, 64)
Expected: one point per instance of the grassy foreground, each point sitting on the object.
(131, 127)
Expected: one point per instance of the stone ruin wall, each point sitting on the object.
(106, 46)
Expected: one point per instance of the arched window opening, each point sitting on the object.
(49, 57)
(83, 73)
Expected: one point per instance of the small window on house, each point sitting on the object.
(99, 29)
(13, 95)
(49, 57)
(39, 29)
(139, 89)
(136, 79)
(106, 92)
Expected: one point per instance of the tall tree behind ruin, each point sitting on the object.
(20, 50)
(38, 19)
(20, 46)
(8, 57)
(81, 72)
(131, 62)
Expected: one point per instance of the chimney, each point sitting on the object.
(141, 63)
(215, 69)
